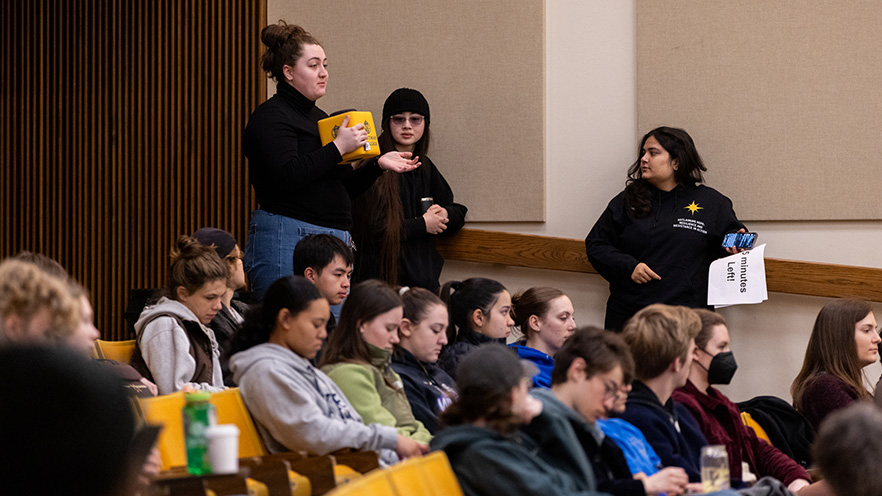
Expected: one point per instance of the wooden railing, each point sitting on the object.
(545, 252)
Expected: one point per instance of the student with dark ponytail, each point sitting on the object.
(423, 333)
(480, 312)
(296, 406)
(175, 347)
(301, 186)
(396, 221)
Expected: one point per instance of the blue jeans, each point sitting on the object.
(270, 246)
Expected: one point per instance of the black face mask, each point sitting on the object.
(722, 368)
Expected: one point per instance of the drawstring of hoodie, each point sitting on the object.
(658, 193)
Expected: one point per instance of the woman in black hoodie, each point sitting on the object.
(657, 238)
(423, 333)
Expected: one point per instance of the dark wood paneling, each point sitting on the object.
(543, 252)
(121, 127)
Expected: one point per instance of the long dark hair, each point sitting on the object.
(463, 298)
(378, 213)
(681, 148)
(292, 292)
(831, 348)
(366, 301)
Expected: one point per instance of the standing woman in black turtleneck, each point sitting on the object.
(301, 187)
(655, 240)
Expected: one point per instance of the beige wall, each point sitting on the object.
(591, 138)
(591, 135)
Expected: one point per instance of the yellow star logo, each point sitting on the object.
(693, 207)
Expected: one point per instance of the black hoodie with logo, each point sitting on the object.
(678, 239)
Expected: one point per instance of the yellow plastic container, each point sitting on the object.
(328, 132)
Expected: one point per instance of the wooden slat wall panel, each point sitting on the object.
(121, 127)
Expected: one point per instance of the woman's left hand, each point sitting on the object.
(398, 162)
(733, 250)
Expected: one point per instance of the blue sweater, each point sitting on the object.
(543, 361)
(638, 453)
(670, 429)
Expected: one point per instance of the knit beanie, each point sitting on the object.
(406, 100)
(222, 241)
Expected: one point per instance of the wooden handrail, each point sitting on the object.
(550, 253)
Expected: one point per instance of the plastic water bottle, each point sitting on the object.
(199, 415)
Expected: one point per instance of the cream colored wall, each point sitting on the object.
(591, 138)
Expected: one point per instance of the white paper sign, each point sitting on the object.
(738, 279)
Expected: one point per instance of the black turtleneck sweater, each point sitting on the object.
(291, 172)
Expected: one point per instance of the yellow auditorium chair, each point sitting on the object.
(120, 351)
(374, 483)
(231, 410)
(748, 420)
(408, 478)
(166, 411)
(436, 468)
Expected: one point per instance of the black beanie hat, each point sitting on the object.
(406, 100)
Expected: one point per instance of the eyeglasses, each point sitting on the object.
(399, 120)
(611, 389)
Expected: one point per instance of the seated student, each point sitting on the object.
(38, 296)
(83, 338)
(296, 406)
(844, 340)
(34, 306)
(358, 355)
(325, 261)
(480, 312)
(587, 378)
(422, 334)
(545, 318)
(719, 418)
(488, 453)
(848, 449)
(66, 425)
(641, 458)
(662, 339)
(175, 348)
(231, 315)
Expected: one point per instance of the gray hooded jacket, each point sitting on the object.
(298, 407)
(165, 348)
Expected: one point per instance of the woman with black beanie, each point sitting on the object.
(395, 222)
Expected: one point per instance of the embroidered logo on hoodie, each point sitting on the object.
(693, 207)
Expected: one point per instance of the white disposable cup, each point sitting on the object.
(223, 448)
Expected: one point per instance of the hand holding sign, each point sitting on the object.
(738, 280)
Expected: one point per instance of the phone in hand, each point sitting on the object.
(744, 241)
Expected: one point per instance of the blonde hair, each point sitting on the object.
(658, 335)
(25, 290)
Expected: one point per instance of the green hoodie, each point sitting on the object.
(377, 393)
